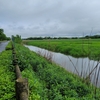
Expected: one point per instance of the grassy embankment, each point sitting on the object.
(7, 76)
(47, 81)
(74, 47)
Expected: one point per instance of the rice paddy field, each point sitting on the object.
(74, 47)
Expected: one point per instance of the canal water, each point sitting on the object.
(80, 66)
(3, 45)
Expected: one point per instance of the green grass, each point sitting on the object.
(9, 46)
(48, 81)
(74, 47)
(7, 76)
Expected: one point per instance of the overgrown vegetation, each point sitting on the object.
(7, 73)
(75, 47)
(7, 76)
(17, 39)
(48, 81)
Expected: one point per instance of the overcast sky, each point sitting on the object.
(30, 18)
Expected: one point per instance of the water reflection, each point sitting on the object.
(79, 66)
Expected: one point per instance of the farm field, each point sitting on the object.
(74, 47)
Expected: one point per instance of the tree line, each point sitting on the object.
(3, 36)
(42, 38)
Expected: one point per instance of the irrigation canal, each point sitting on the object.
(79, 66)
(3, 45)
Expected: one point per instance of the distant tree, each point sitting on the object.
(8, 38)
(17, 38)
(92, 37)
(74, 37)
(2, 35)
(1, 31)
(55, 38)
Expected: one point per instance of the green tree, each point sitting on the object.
(1, 31)
(17, 39)
(2, 35)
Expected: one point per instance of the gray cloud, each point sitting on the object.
(49, 18)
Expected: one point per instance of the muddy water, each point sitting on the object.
(79, 66)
